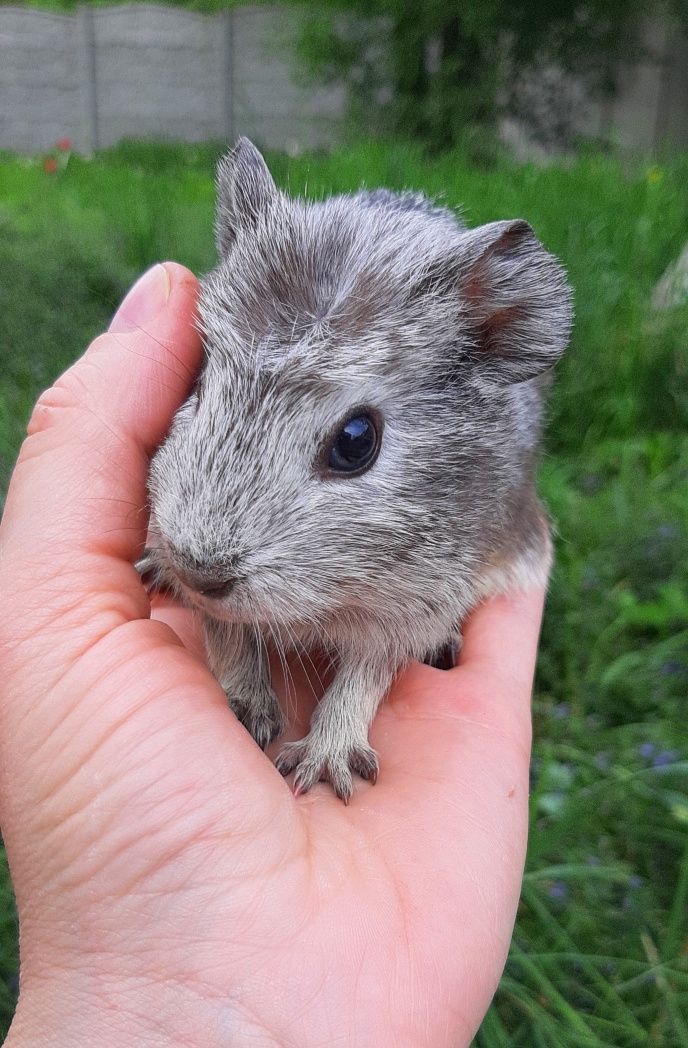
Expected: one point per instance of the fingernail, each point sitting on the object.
(144, 301)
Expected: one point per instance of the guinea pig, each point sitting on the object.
(354, 469)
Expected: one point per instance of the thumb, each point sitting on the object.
(85, 672)
(75, 516)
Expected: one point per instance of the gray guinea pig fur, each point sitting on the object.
(376, 305)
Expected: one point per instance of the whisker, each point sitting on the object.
(295, 647)
(280, 656)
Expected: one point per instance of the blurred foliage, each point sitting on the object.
(600, 951)
(440, 70)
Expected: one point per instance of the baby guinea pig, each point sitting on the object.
(354, 469)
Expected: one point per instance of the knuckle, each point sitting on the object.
(68, 392)
(51, 404)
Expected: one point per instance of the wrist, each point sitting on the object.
(70, 1010)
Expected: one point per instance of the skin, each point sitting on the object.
(171, 888)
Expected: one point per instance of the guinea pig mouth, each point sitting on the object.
(239, 611)
(226, 607)
(217, 604)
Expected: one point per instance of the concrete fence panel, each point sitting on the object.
(40, 80)
(156, 75)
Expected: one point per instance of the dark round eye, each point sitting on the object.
(355, 446)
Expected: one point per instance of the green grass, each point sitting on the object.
(600, 953)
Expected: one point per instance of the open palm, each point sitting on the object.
(171, 889)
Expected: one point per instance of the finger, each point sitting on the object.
(94, 694)
(444, 724)
(183, 621)
(501, 637)
(454, 750)
(75, 515)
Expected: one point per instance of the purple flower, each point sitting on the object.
(635, 881)
(671, 668)
(602, 760)
(590, 579)
(559, 890)
(561, 711)
(664, 757)
(591, 483)
(647, 750)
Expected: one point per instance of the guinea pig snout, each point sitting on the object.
(210, 579)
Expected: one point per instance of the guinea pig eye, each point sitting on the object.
(355, 445)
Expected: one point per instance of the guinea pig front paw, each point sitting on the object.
(313, 762)
(262, 718)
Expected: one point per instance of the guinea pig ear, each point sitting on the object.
(518, 301)
(245, 188)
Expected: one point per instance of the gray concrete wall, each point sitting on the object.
(40, 80)
(141, 70)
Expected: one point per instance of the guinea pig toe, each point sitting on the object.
(264, 724)
(290, 756)
(338, 774)
(312, 765)
(363, 760)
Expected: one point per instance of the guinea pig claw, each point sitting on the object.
(312, 765)
(150, 573)
(363, 760)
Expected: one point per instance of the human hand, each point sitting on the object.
(171, 890)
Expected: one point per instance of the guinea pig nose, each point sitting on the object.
(219, 589)
(209, 582)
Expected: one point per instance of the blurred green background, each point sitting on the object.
(600, 951)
